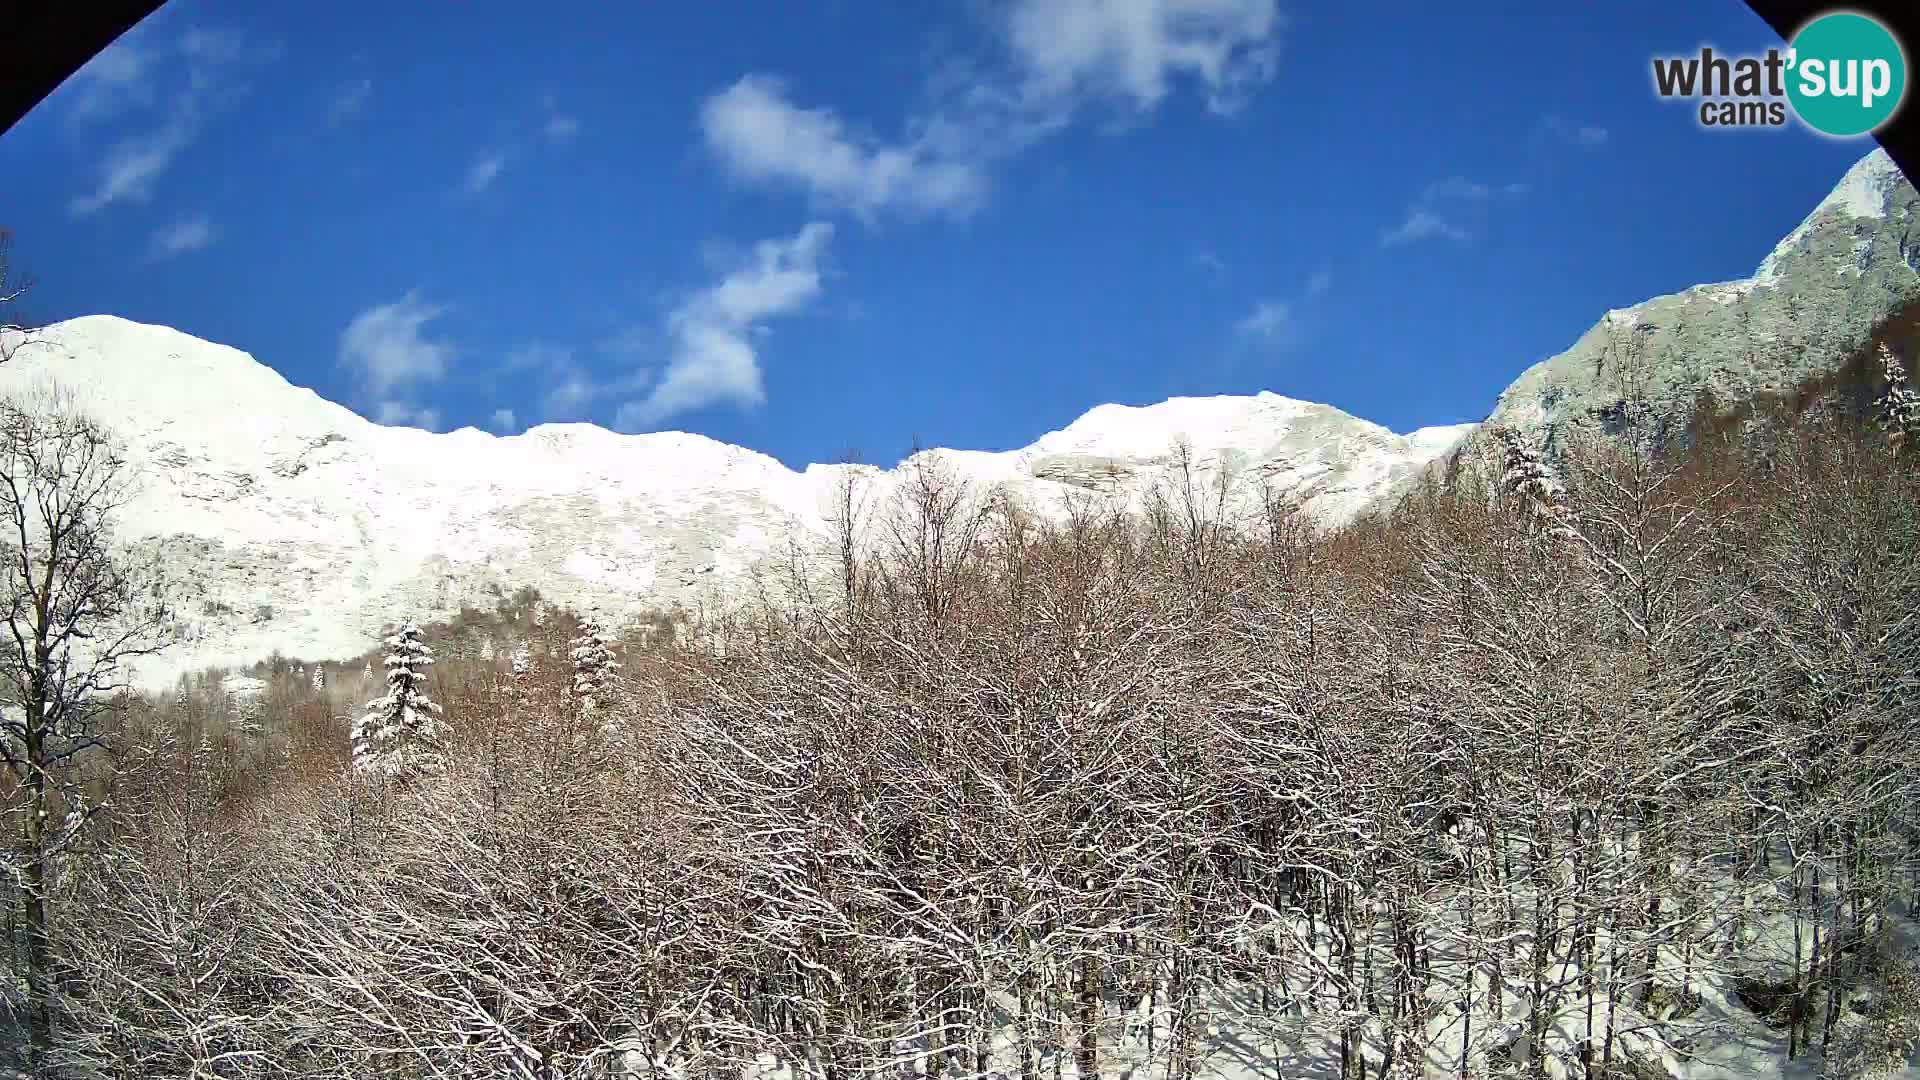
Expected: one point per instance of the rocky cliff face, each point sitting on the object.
(289, 523)
(1815, 298)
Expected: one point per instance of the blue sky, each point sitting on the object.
(843, 226)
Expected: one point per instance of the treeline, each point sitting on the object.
(1584, 767)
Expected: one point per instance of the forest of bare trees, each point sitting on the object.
(1587, 767)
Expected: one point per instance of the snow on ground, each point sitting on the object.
(1862, 193)
(291, 523)
(1279, 1032)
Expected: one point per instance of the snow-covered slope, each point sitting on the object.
(290, 523)
(1813, 299)
(1808, 305)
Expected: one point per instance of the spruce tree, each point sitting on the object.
(1898, 410)
(1525, 474)
(1524, 470)
(593, 668)
(399, 734)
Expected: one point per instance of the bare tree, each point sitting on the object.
(157, 934)
(1488, 786)
(15, 331)
(78, 610)
(846, 522)
(1189, 514)
(933, 535)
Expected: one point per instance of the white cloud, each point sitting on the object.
(538, 356)
(181, 237)
(569, 395)
(490, 163)
(1459, 187)
(1275, 322)
(216, 46)
(385, 345)
(632, 341)
(1421, 223)
(1061, 57)
(1574, 134)
(126, 76)
(1424, 218)
(349, 100)
(714, 331)
(404, 414)
(118, 78)
(133, 164)
(504, 420)
(1073, 49)
(1271, 322)
(483, 172)
(759, 136)
(1456, 187)
(1210, 262)
(567, 390)
(559, 126)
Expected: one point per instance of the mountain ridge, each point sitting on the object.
(290, 523)
(1813, 299)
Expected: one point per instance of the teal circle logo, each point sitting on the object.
(1847, 74)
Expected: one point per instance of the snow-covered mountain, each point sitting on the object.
(1812, 301)
(290, 523)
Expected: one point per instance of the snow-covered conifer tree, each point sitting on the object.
(593, 668)
(1523, 470)
(1525, 474)
(399, 734)
(1899, 408)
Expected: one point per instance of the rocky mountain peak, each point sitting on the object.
(1812, 301)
